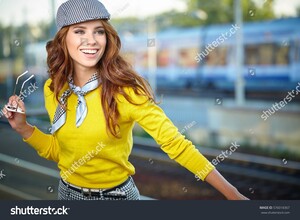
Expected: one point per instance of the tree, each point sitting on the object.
(298, 11)
(218, 12)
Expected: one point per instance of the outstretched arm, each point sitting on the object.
(215, 179)
(154, 121)
(45, 144)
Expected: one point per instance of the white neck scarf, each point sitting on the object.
(81, 110)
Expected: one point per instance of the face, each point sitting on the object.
(86, 44)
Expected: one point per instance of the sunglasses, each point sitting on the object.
(17, 108)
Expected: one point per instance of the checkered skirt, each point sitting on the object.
(130, 190)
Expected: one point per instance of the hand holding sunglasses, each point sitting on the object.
(16, 108)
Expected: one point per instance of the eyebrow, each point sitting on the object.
(84, 27)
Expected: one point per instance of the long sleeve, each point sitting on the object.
(45, 144)
(154, 121)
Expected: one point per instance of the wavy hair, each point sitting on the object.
(115, 74)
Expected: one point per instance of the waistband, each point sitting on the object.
(112, 192)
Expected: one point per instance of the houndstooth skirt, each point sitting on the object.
(125, 191)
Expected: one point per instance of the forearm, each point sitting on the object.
(25, 131)
(215, 179)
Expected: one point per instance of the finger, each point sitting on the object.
(7, 114)
(13, 100)
(21, 104)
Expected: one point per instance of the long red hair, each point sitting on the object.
(116, 73)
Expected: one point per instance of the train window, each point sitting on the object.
(222, 56)
(187, 57)
(217, 57)
(282, 55)
(261, 54)
(265, 54)
(163, 58)
(251, 55)
(212, 58)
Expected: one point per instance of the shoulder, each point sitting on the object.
(132, 96)
(47, 90)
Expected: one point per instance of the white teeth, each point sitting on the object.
(89, 51)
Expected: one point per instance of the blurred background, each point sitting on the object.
(227, 73)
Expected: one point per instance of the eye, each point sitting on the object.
(79, 32)
(100, 32)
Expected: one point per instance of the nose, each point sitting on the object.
(89, 39)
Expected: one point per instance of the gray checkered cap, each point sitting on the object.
(77, 11)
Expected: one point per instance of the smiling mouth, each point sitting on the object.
(89, 51)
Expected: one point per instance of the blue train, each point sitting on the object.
(205, 56)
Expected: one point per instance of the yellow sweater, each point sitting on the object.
(88, 157)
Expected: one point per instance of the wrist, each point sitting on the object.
(25, 131)
(231, 193)
(234, 194)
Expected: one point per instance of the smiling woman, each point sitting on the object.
(94, 96)
(86, 44)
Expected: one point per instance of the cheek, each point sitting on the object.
(72, 42)
(71, 51)
(103, 41)
(69, 44)
(72, 45)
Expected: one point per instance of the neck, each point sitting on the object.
(81, 76)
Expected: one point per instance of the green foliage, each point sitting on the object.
(298, 11)
(199, 13)
(217, 12)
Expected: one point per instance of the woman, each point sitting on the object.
(93, 99)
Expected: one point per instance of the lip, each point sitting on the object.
(90, 55)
